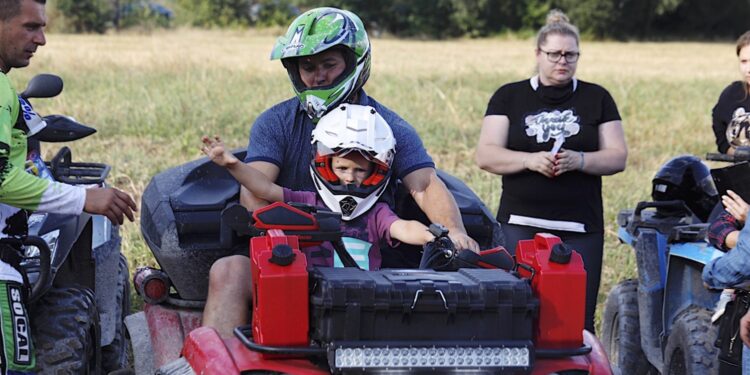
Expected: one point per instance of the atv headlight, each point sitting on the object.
(494, 357)
(50, 238)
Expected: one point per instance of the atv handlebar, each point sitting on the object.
(741, 153)
(713, 156)
(439, 253)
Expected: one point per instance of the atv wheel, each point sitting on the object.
(690, 348)
(65, 329)
(621, 332)
(115, 355)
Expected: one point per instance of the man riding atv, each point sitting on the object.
(327, 54)
(354, 150)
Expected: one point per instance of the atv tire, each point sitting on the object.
(115, 355)
(65, 332)
(690, 348)
(621, 332)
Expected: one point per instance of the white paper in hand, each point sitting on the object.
(558, 144)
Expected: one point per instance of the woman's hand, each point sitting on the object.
(568, 160)
(735, 205)
(541, 162)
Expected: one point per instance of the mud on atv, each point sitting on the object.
(480, 309)
(80, 290)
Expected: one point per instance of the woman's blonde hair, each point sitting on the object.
(742, 42)
(557, 23)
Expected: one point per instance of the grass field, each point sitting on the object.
(153, 96)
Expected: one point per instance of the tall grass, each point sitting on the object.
(152, 96)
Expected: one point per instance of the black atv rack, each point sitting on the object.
(65, 170)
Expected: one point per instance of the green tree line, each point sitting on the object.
(435, 19)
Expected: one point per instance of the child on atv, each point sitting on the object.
(353, 150)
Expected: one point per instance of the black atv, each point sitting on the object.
(80, 290)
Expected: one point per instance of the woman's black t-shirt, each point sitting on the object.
(733, 105)
(538, 115)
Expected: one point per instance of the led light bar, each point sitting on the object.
(430, 357)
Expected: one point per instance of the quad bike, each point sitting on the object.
(661, 321)
(347, 320)
(79, 279)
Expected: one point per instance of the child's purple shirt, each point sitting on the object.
(372, 227)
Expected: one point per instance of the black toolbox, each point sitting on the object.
(349, 304)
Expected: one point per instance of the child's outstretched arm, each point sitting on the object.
(251, 178)
(411, 232)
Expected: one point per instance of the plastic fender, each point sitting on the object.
(599, 363)
(594, 363)
(650, 250)
(168, 328)
(685, 288)
(699, 252)
(207, 354)
(624, 236)
(140, 340)
(107, 257)
(248, 360)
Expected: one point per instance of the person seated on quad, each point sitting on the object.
(354, 149)
(731, 126)
(22, 25)
(733, 268)
(725, 228)
(548, 187)
(326, 52)
(731, 114)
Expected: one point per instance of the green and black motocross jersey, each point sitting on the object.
(19, 189)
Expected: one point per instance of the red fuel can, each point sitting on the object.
(558, 279)
(280, 295)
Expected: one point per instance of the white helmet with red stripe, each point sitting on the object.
(352, 128)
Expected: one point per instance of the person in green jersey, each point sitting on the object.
(22, 25)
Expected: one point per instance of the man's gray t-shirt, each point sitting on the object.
(281, 135)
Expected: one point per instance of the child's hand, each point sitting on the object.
(214, 149)
(735, 205)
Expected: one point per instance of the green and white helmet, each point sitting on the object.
(318, 30)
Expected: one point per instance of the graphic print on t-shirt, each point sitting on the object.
(552, 125)
(738, 130)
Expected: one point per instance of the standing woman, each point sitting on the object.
(731, 114)
(552, 137)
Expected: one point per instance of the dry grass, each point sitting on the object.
(152, 96)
